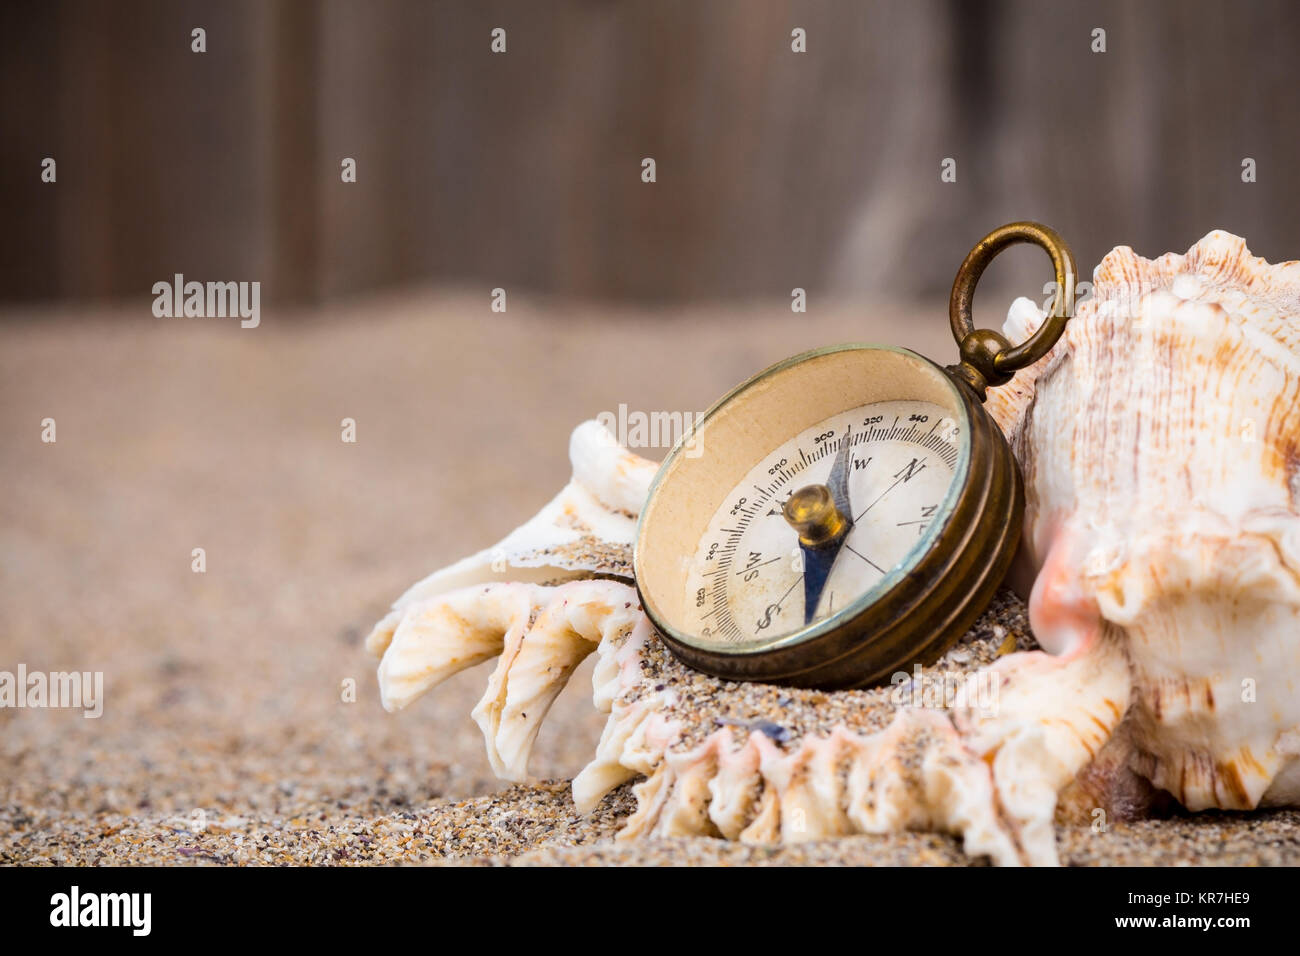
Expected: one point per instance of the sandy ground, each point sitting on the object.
(226, 736)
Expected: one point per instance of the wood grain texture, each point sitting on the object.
(522, 170)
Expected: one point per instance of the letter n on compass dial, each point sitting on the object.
(778, 554)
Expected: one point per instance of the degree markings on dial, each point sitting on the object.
(946, 450)
(927, 440)
(784, 475)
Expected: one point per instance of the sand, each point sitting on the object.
(241, 718)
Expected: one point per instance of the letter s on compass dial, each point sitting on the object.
(888, 464)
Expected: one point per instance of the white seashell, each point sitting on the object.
(1161, 451)
(539, 635)
(587, 528)
(1160, 445)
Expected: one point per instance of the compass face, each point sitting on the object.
(891, 466)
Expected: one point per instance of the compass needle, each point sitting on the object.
(838, 482)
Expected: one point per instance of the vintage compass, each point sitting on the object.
(847, 512)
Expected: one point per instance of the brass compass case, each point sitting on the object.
(921, 606)
(925, 601)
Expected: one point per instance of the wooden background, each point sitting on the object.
(522, 170)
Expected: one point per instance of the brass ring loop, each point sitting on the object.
(987, 357)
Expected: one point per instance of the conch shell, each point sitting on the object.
(1158, 442)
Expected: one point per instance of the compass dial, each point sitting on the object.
(890, 466)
